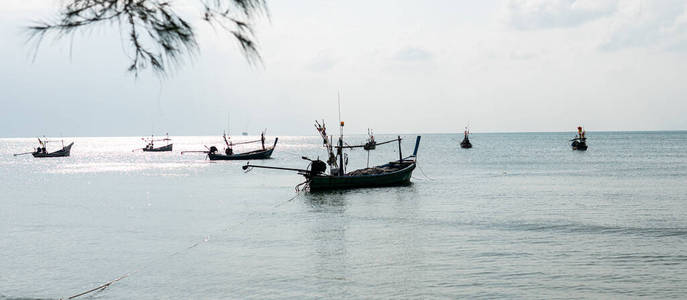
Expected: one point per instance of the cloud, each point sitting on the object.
(546, 14)
(627, 23)
(656, 24)
(412, 54)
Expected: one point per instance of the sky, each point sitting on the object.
(397, 66)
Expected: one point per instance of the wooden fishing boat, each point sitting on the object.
(64, 152)
(42, 151)
(263, 153)
(370, 144)
(465, 144)
(166, 148)
(256, 154)
(150, 144)
(394, 173)
(579, 142)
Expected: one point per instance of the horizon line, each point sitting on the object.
(404, 133)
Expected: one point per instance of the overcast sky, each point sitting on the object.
(400, 66)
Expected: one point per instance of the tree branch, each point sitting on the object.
(158, 36)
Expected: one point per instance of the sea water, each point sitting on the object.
(520, 215)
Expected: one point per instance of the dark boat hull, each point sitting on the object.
(395, 178)
(166, 148)
(580, 146)
(64, 152)
(465, 144)
(257, 154)
(260, 154)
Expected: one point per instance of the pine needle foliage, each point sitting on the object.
(157, 37)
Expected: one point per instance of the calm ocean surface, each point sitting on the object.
(518, 216)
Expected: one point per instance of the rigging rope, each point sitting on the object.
(206, 239)
(423, 173)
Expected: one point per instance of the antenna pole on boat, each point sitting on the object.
(339, 151)
(338, 96)
(400, 155)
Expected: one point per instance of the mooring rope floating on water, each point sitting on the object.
(100, 287)
(423, 173)
(196, 244)
(291, 199)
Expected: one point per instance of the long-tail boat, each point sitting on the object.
(150, 144)
(465, 144)
(42, 151)
(370, 144)
(394, 173)
(263, 153)
(580, 141)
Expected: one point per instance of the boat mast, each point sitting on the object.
(342, 170)
(400, 155)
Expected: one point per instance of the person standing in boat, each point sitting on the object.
(41, 148)
(580, 132)
(228, 150)
(262, 139)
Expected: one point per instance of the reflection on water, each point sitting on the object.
(326, 200)
(330, 256)
(394, 251)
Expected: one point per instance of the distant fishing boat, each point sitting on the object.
(465, 144)
(263, 153)
(394, 173)
(370, 144)
(579, 142)
(42, 151)
(150, 144)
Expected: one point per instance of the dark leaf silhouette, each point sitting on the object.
(157, 36)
